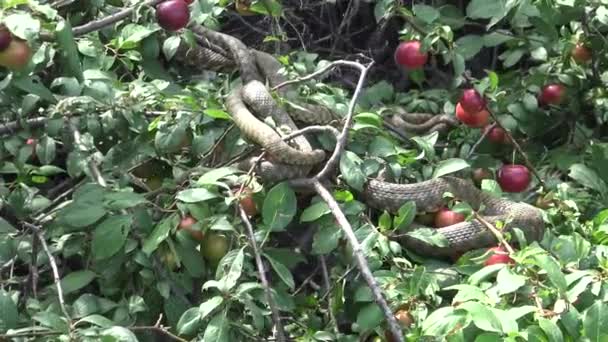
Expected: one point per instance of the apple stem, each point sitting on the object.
(517, 147)
(494, 231)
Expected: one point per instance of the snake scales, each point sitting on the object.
(220, 52)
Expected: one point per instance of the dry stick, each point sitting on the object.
(261, 270)
(330, 312)
(361, 262)
(109, 20)
(494, 231)
(55, 269)
(517, 147)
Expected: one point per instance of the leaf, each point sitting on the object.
(32, 85)
(426, 144)
(120, 334)
(81, 214)
(483, 317)
(159, 234)
(551, 329)
(189, 322)
(76, 280)
(230, 279)
(496, 38)
(170, 46)
(405, 215)
(314, 212)
(98, 320)
(508, 282)
(209, 306)
(191, 258)
(110, 236)
(549, 265)
(195, 195)
(218, 329)
(280, 206)
(350, 167)
(68, 50)
(443, 321)
(123, 200)
(369, 317)
(485, 9)
(215, 175)
(282, 271)
(9, 316)
(430, 236)
(326, 239)
(450, 165)
(468, 46)
(217, 114)
(595, 323)
(588, 178)
(426, 13)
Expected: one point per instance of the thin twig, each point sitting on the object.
(330, 312)
(262, 272)
(360, 258)
(483, 136)
(55, 269)
(494, 231)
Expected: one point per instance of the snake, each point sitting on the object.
(251, 104)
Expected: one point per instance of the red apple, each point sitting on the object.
(446, 217)
(472, 119)
(581, 54)
(246, 201)
(5, 38)
(498, 256)
(408, 55)
(173, 15)
(514, 178)
(552, 94)
(497, 135)
(471, 101)
(186, 224)
(16, 55)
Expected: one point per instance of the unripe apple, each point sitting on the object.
(581, 54)
(472, 119)
(173, 15)
(471, 101)
(552, 94)
(514, 178)
(446, 217)
(16, 55)
(214, 246)
(498, 256)
(408, 54)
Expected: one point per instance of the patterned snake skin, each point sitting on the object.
(220, 52)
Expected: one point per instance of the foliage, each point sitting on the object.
(163, 142)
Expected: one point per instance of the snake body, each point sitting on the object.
(220, 52)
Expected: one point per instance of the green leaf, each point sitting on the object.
(217, 114)
(468, 46)
(170, 46)
(405, 215)
(76, 280)
(551, 329)
(215, 175)
(350, 167)
(314, 212)
(191, 258)
(159, 234)
(426, 13)
(280, 206)
(98, 320)
(430, 236)
(81, 214)
(123, 200)
(549, 265)
(369, 317)
(426, 144)
(32, 85)
(189, 322)
(110, 236)
(9, 315)
(282, 271)
(236, 268)
(195, 195)
(482, 316)
(218, 329)
(326, 239)
(444, 321)
(508, 282)
(595, 324)
(450, 165)
(68, 50)
(485, 9)
(209, 306)
(496, 38)
(588, 178)
(120, 334)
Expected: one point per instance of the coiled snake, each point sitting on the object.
(220, 52)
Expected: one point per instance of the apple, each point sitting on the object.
(246, 201)
(514, 178)
(552, 94)
(404, 317)
(408, 55)
(173, 15)
(446, 217)
(186, 224)
(472, 119)
(498, 256)
(581, 54)
(214, 246)
(16, 55)
(497, 135)
(479, 174)
(471, 101)
(5, 38)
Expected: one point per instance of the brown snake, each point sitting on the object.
(219, 52)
